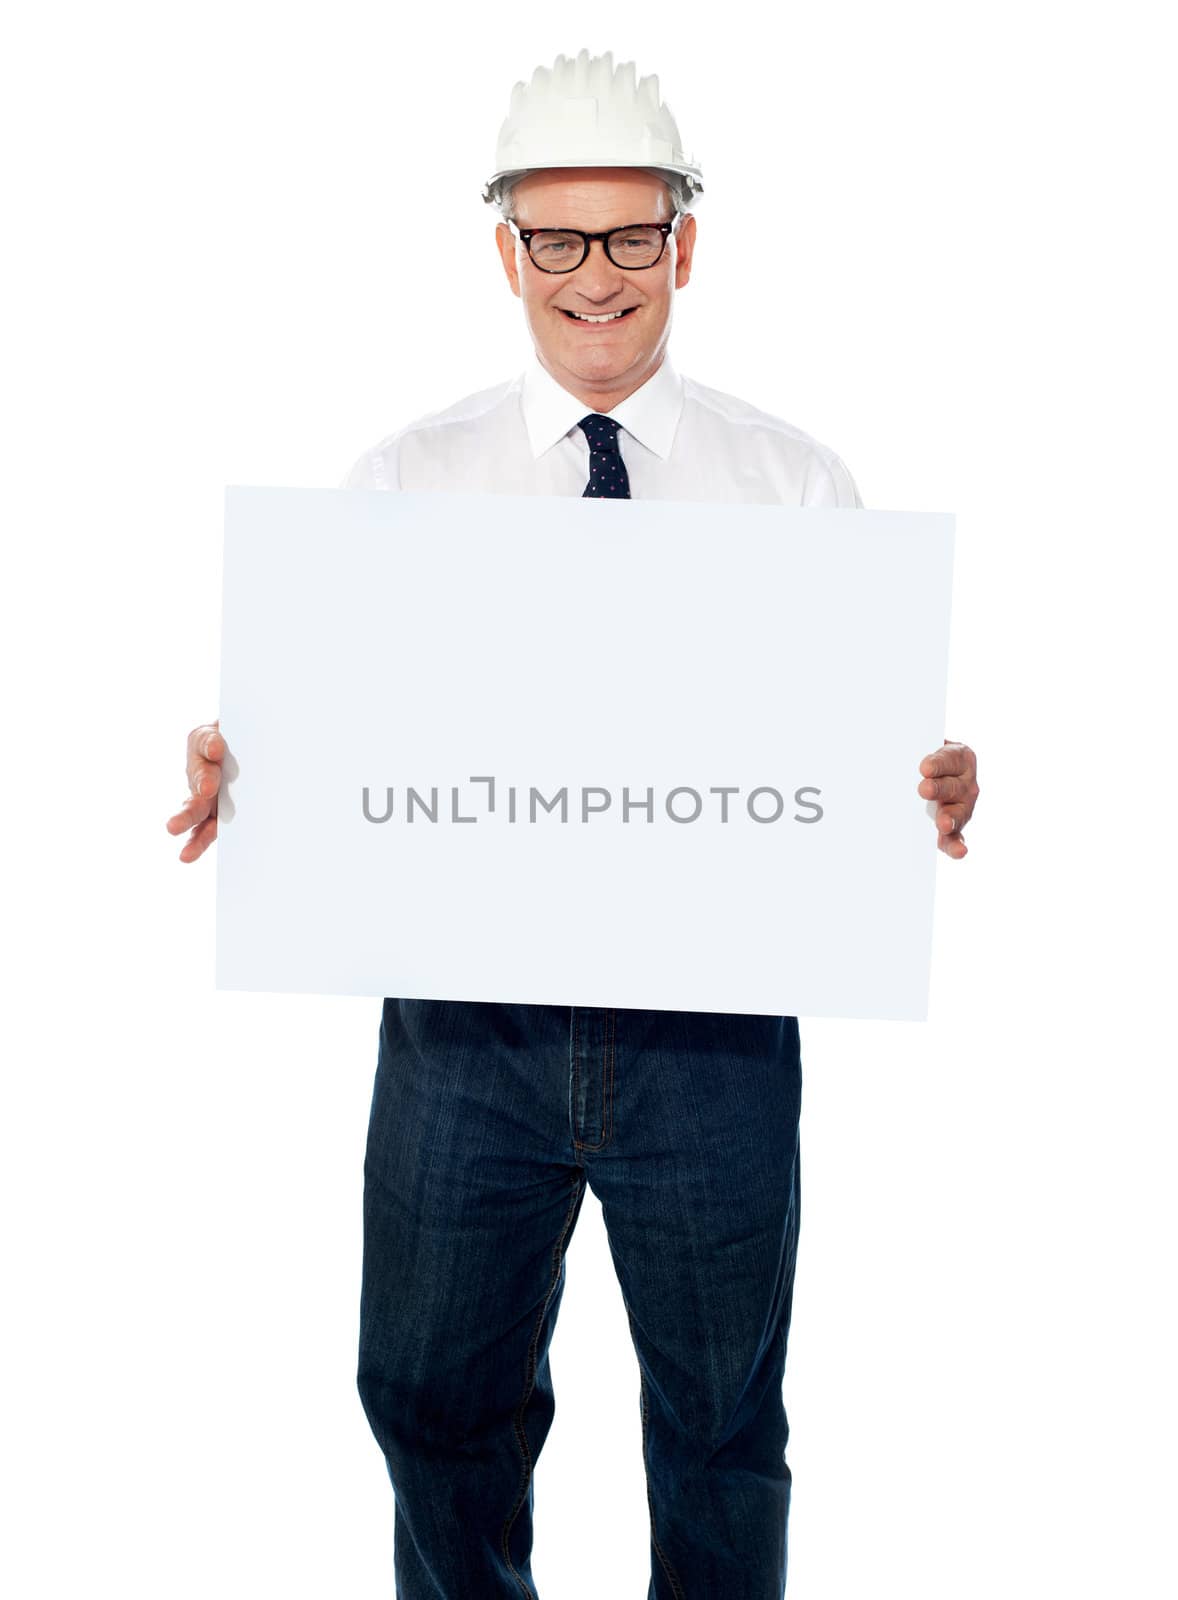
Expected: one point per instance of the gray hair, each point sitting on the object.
(680, 194)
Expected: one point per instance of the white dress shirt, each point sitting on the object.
(678, 439)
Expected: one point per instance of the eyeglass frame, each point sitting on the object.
(525, 236)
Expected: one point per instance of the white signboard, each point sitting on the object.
(544, 750)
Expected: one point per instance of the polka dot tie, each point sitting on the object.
(608, 478)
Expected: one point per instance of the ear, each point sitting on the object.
(685, 249)
(506, 241)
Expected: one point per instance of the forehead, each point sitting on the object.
(591, 198)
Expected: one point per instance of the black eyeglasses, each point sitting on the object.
(563, 249)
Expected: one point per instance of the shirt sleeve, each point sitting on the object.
(828, 483)
(375, 469)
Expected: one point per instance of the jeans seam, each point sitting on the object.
(529, 1385)
(607, 1081)
(607, 1106)
(576, 1077)
(668, 1569)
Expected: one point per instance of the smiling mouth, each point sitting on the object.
(608, 316)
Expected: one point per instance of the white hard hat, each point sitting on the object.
(587, 113)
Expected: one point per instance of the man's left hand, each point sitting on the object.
(951, 779)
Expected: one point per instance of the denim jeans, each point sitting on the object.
(487, 1123)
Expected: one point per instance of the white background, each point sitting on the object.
(246, 241)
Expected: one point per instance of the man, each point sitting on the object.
(489, 1120)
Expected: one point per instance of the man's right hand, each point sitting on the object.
(206, 751)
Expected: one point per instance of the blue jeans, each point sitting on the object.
(487, 1123)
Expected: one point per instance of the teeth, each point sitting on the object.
(609, 316)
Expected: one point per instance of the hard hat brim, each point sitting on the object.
(679, 169)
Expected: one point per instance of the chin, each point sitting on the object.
(600, 364)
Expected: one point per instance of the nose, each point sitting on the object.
(597, 279)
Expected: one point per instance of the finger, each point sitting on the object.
(201, 839)
(945, 788)
(951, 819)
(953, 845)
(205, 743)
(204, 779)
(199, 737)
(947, 762)
(190, 815)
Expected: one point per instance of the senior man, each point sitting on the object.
(488, 1120)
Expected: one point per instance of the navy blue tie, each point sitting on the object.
(608, 478)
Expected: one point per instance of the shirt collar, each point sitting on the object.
(650, 414)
